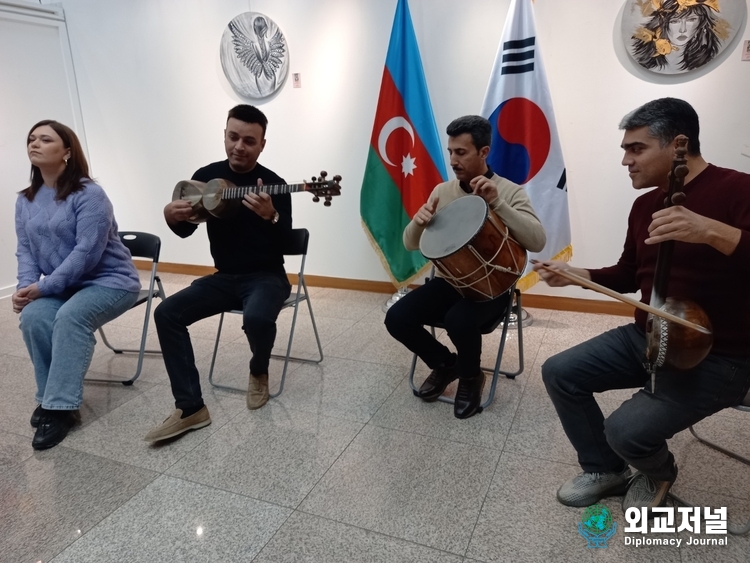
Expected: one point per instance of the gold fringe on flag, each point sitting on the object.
(532, 278)
(397, 284)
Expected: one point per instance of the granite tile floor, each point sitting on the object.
(346, 465)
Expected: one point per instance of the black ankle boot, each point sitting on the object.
(469, 396)
(437, 381)
(53, 427)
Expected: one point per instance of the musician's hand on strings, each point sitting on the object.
(678, 223)
(177, 211)
(24, 296)
(260, 203)
(556, 280)
(484, 188)
(426, 212)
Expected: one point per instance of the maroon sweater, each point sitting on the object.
(718, 283)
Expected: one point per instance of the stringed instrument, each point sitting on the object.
(678, 331)
(669, 344)
(221, 198)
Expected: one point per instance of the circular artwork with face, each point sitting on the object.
(254, 55)
(676, 36)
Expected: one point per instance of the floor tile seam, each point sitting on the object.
(228, 491)
(481, 506)
(107, 516)
(363, 361)
(393, 391)
(338, 457)
(378, 533)
(539, 458)
(276, 531)
(448, 440)
(745, 500)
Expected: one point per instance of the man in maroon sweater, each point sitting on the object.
(711, 230)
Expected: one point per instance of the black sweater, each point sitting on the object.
(244, 243)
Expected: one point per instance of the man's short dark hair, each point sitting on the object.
(476, 126)
(249, 114)
(666, 118)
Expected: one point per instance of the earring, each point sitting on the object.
(66, 161)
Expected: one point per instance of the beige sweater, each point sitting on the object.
(512, 206)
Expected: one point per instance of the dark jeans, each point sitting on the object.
(438, 302)
(637, 432)
(260, 296)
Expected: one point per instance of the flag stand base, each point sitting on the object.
(395, 297)
(526, 319)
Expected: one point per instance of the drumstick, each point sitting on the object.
(620, 297)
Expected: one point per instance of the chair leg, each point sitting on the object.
(213, 362)
(141, 351)
(732, 528)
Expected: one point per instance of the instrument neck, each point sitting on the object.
(238, 192)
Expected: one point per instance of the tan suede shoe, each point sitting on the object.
(174, 425)
(257, 391)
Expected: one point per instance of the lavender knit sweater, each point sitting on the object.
(72, 243)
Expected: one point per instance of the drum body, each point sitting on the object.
(473, 250)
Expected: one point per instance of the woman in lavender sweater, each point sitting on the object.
(74, 274)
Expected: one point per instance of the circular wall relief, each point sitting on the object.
(254, 55)
(677, 36)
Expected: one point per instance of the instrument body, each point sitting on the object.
(221, 198)
(667, 343)
(473, 250)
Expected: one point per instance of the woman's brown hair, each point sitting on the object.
(76, 169)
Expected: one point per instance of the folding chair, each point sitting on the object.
(297, 247)
(732, 528)
(141, 245)
(514, 304)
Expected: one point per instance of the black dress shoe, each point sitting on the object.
(36, 416)
(52, 429)
(469, 396)
(436, 382)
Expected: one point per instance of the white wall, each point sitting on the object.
(154, 102)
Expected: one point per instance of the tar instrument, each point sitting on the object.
(667, 343)
(220, 198)
(472, 249)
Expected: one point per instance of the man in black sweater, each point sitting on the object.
(247, 248)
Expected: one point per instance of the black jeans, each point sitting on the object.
(260, 296)
(438, 302)
(637, 432)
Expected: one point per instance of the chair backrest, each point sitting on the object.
(297, 243)
(141, 245)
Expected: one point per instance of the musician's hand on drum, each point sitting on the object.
(547, 273)
(260, 203)
(426, 212)
(484, 188)
(678, 223)
(177, 211)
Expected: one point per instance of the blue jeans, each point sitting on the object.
(438, 302)
(59, 333)
(260, 296)
(637, 432)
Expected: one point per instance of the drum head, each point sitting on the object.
(453, 227)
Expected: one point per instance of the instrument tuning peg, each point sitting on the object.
(316, 199)
(337, 178)
(323, 175)
(678, 198)
(314, 179)
(327, 202)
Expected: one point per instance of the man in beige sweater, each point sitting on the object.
(437, 301)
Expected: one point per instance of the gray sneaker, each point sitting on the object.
(645, 492)
(589, 488)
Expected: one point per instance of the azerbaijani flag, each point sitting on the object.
(405, 161)
(525, 146)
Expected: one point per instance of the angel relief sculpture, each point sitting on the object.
(254, 55)
(675, 36)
